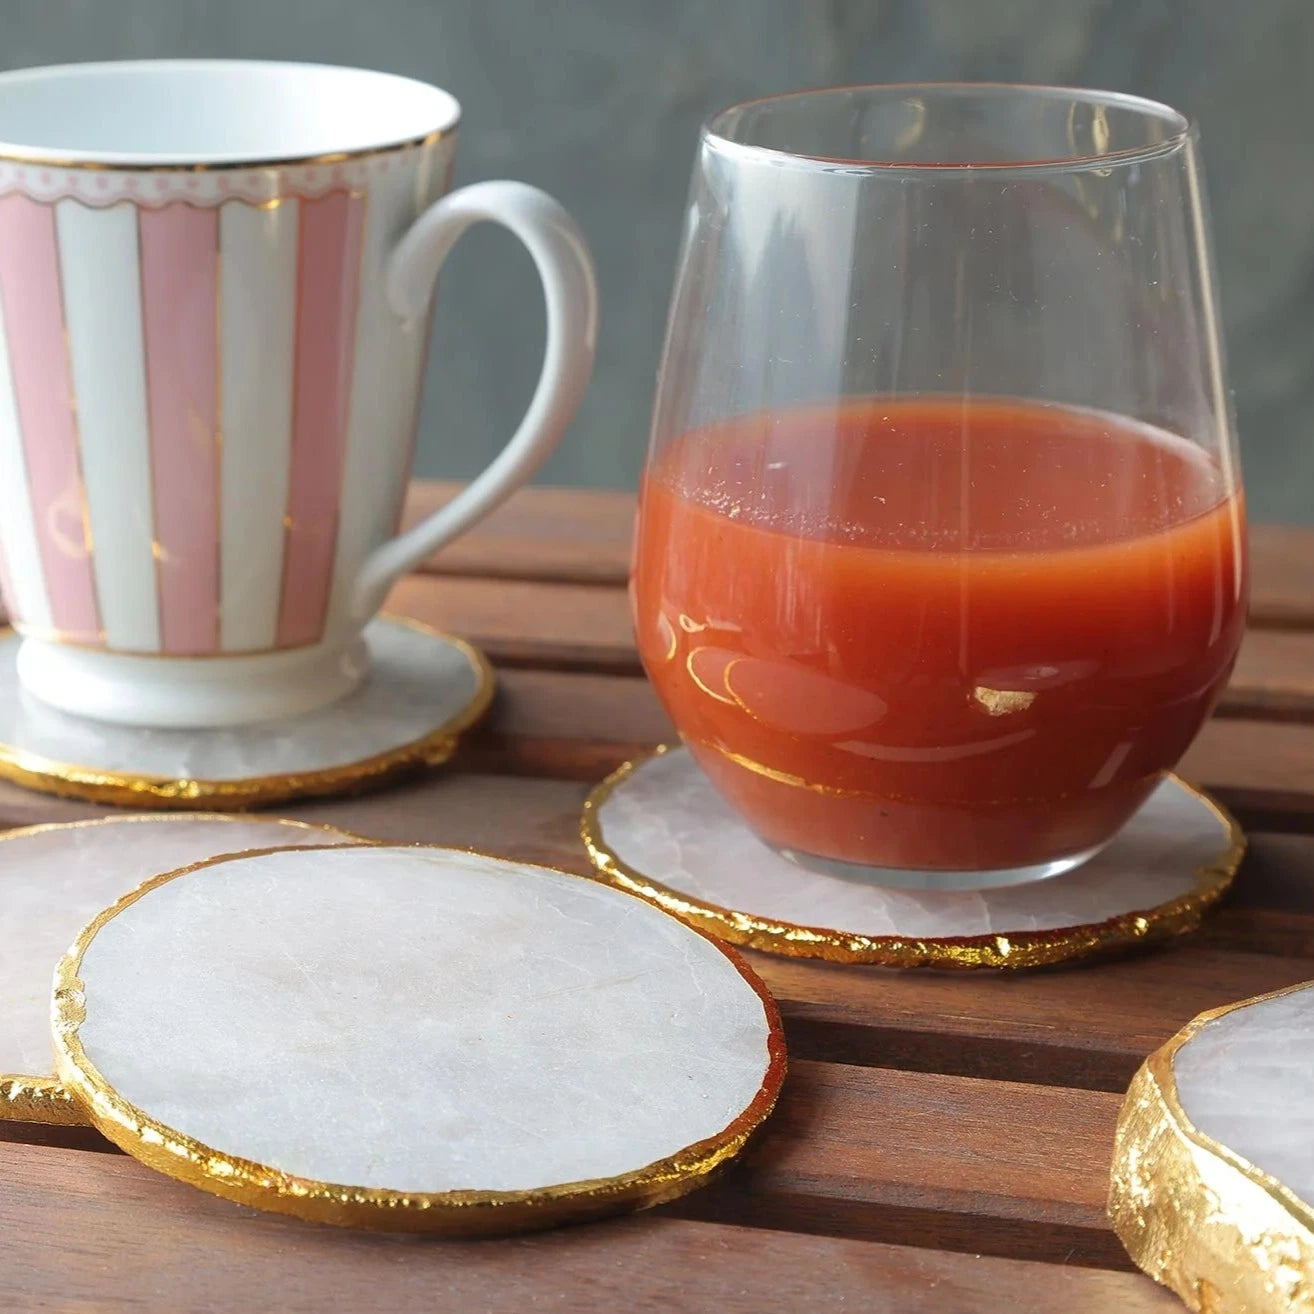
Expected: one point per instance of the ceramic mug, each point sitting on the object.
(215, 288)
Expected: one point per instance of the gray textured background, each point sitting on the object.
(599, 101)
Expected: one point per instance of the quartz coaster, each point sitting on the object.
(414, 1039)
(52, 880)
(423, 690)
(659, 829)
(1213, 1168)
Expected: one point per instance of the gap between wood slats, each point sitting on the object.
(77, 1226)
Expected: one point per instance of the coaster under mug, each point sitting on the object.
(53, 879)
(423, 690)
(413, 1038)
(1213, 1177)
(659, 829)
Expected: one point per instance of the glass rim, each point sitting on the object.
(1182, 129)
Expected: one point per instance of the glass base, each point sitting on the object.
(910, 878)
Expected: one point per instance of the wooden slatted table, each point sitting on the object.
(942, 1143)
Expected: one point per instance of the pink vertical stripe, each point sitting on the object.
(38, 359)
(328, 287)
(178, 282)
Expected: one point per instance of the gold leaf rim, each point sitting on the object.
(126, 789)
(1012, 950)
(467, 1213)
(1224, 1235)
(28, 1097)
(37, 158)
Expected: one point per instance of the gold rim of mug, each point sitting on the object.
(1014, 950)
(452, 1213)
(127, 789)
(237, 166)
(27, 1097)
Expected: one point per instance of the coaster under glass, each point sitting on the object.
(659, 829)
(414, 1039)
(423, 690)
(1213, 1168)
(53, 879)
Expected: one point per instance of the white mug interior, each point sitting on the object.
(212, 112)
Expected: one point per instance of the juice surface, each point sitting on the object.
(937, 633)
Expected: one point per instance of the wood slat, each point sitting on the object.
(1274, 676)
(533, 819)
(1263, 771)
(1088, 1027)
(1282, 576)
(570, 535)
(98, 1232)
(552, 626)
(987, 1167)
(1269, 910)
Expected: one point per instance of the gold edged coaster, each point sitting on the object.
(657, 828)
(53, 878)
(424, 689)
(414, 1039)
(1213, 1178)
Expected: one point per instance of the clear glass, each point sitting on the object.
(941, 552)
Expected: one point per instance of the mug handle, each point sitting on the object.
(570, 293)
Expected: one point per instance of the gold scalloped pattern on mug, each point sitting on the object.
(1209, 1225)
(125, 789)
(97, 184)
(44, 1099)
(464, 1213)
(1018, 949)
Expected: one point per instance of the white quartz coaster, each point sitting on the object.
(414, 1038)
(53, 879)
(1245, 1080)
(422, 690)
(660, 829)
(1213, 1178)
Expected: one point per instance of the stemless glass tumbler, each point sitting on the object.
(941, 556)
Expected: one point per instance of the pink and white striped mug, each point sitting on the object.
(215, 287)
